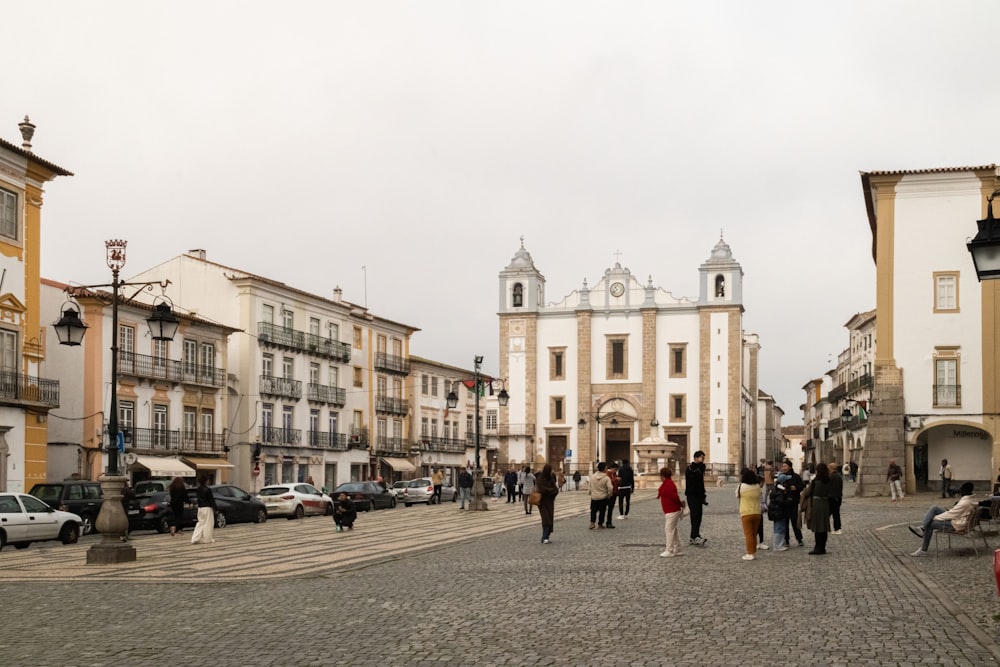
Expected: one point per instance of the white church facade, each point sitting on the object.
(616, 369)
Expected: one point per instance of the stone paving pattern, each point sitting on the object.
(436, 586)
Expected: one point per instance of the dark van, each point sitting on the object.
(80, 497)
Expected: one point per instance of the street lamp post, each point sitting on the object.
(985, 247)
(478, 503)
(582, 424)
(111, 521)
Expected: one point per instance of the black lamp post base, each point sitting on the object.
(110, 553)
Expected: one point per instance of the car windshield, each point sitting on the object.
(350, 488)
(417, 483)
(47, 492)
(274, 490)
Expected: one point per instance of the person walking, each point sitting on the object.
(626, 482)
(600, 489)
(816, 501)
(612, 471)
(203, 530)
(465, 487)
(547, 484)
(576, 479)
(527, 486)
(748, 493)
(836, 497)
(437, 481)
(178, 498)
(854, 470)
(946, 476)
(894, 476)
(694, 492)
(673, 509)
(510, 482)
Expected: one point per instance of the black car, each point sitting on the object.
(232, 505)
(83, 498)
(366, 495)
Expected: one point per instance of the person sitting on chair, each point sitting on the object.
(955, 519)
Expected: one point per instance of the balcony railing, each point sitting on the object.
(357, 438)
(860, 382)
(280, 387)
(323, 440)
(19, 389)
(274, 334)
(280, 436)
(325, 394)
(451, 445)
(386, 444)
(155, 439)
(158, 368)
(947, 395)
(390, 363)
(395, 406)
(202, 442)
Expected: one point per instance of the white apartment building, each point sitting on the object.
(937, 360)
(610, 364)
(319, 383)
(850, 397)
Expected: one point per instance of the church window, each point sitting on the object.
(517, 295)
(720, 286)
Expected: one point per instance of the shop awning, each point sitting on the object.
(208, 463)
(399, 465)
(161, 466)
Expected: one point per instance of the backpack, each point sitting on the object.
(776, 506)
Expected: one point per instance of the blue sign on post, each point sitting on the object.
(569, 453)
(121, 442)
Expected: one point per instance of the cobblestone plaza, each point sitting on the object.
(437, 586)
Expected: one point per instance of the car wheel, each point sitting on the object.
(220, 520)
(329, 510)
(88, 525)
(163, 526)
(69, 534)
(22, 545)
(298, 513)
(393, 503)
(261, 516)
(3, 540)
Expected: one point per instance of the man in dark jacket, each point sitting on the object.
(694, 491)
(836, 496)
(465, 486)
(793, 489)
(510, 481)
(626, 482)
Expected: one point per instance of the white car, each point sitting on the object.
(294, 500)
(25, 519)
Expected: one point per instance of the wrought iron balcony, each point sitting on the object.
(947, 396)
(155, 439)
(860, 382)
(279, 336)
(395, 406)
(280, 436)
(452, 445)
(280, 387)
(192, 441)
(358, 438)
(322, 393)
(21, 390)
(837, 393)
(158, 368)
(324, 440)
(390, 363)
(385, 444)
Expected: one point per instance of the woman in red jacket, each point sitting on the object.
(673, 507)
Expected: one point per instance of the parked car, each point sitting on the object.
(421, 490)
(294, 500)
(397, 489)
(153, 485)
(366, 495)
(232, 505)
(25, 519)
(80, 497)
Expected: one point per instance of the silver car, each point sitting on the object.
(421, 490)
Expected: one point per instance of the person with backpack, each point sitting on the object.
(778, 508)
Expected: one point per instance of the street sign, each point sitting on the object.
(256, 471)
(121, 442)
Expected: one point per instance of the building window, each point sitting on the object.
(557, 370)
(126, 415)
(617, 353)
(424, 381)
(287, 420)
(946, 292)
(434, 386)
(267, 365)
(517, 295)
(397, 388)
(491, 420)
(190, 423)
(333, 331)
(720, 286)
(380, 344)
(424, 425)
(358, 377)
(557, 414)
(287, 319)
(314, 326)
(947, 385)
(267, 314)
(357, 338)
(678, 360)
(313, 372)
(677, 408)
(8, 214)
(190, 356)
(207, 423)
(126, 347)
(434, 428)
(334, 376)
(469, 428)
(288, 368)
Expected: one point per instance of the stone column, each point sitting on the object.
(885, 437)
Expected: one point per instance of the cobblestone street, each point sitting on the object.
(437, 586)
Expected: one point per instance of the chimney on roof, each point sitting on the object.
(197, 253)
(338, 294)
(27, 132)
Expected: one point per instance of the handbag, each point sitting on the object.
(534, 498)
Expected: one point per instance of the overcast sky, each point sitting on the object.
(304, 140)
